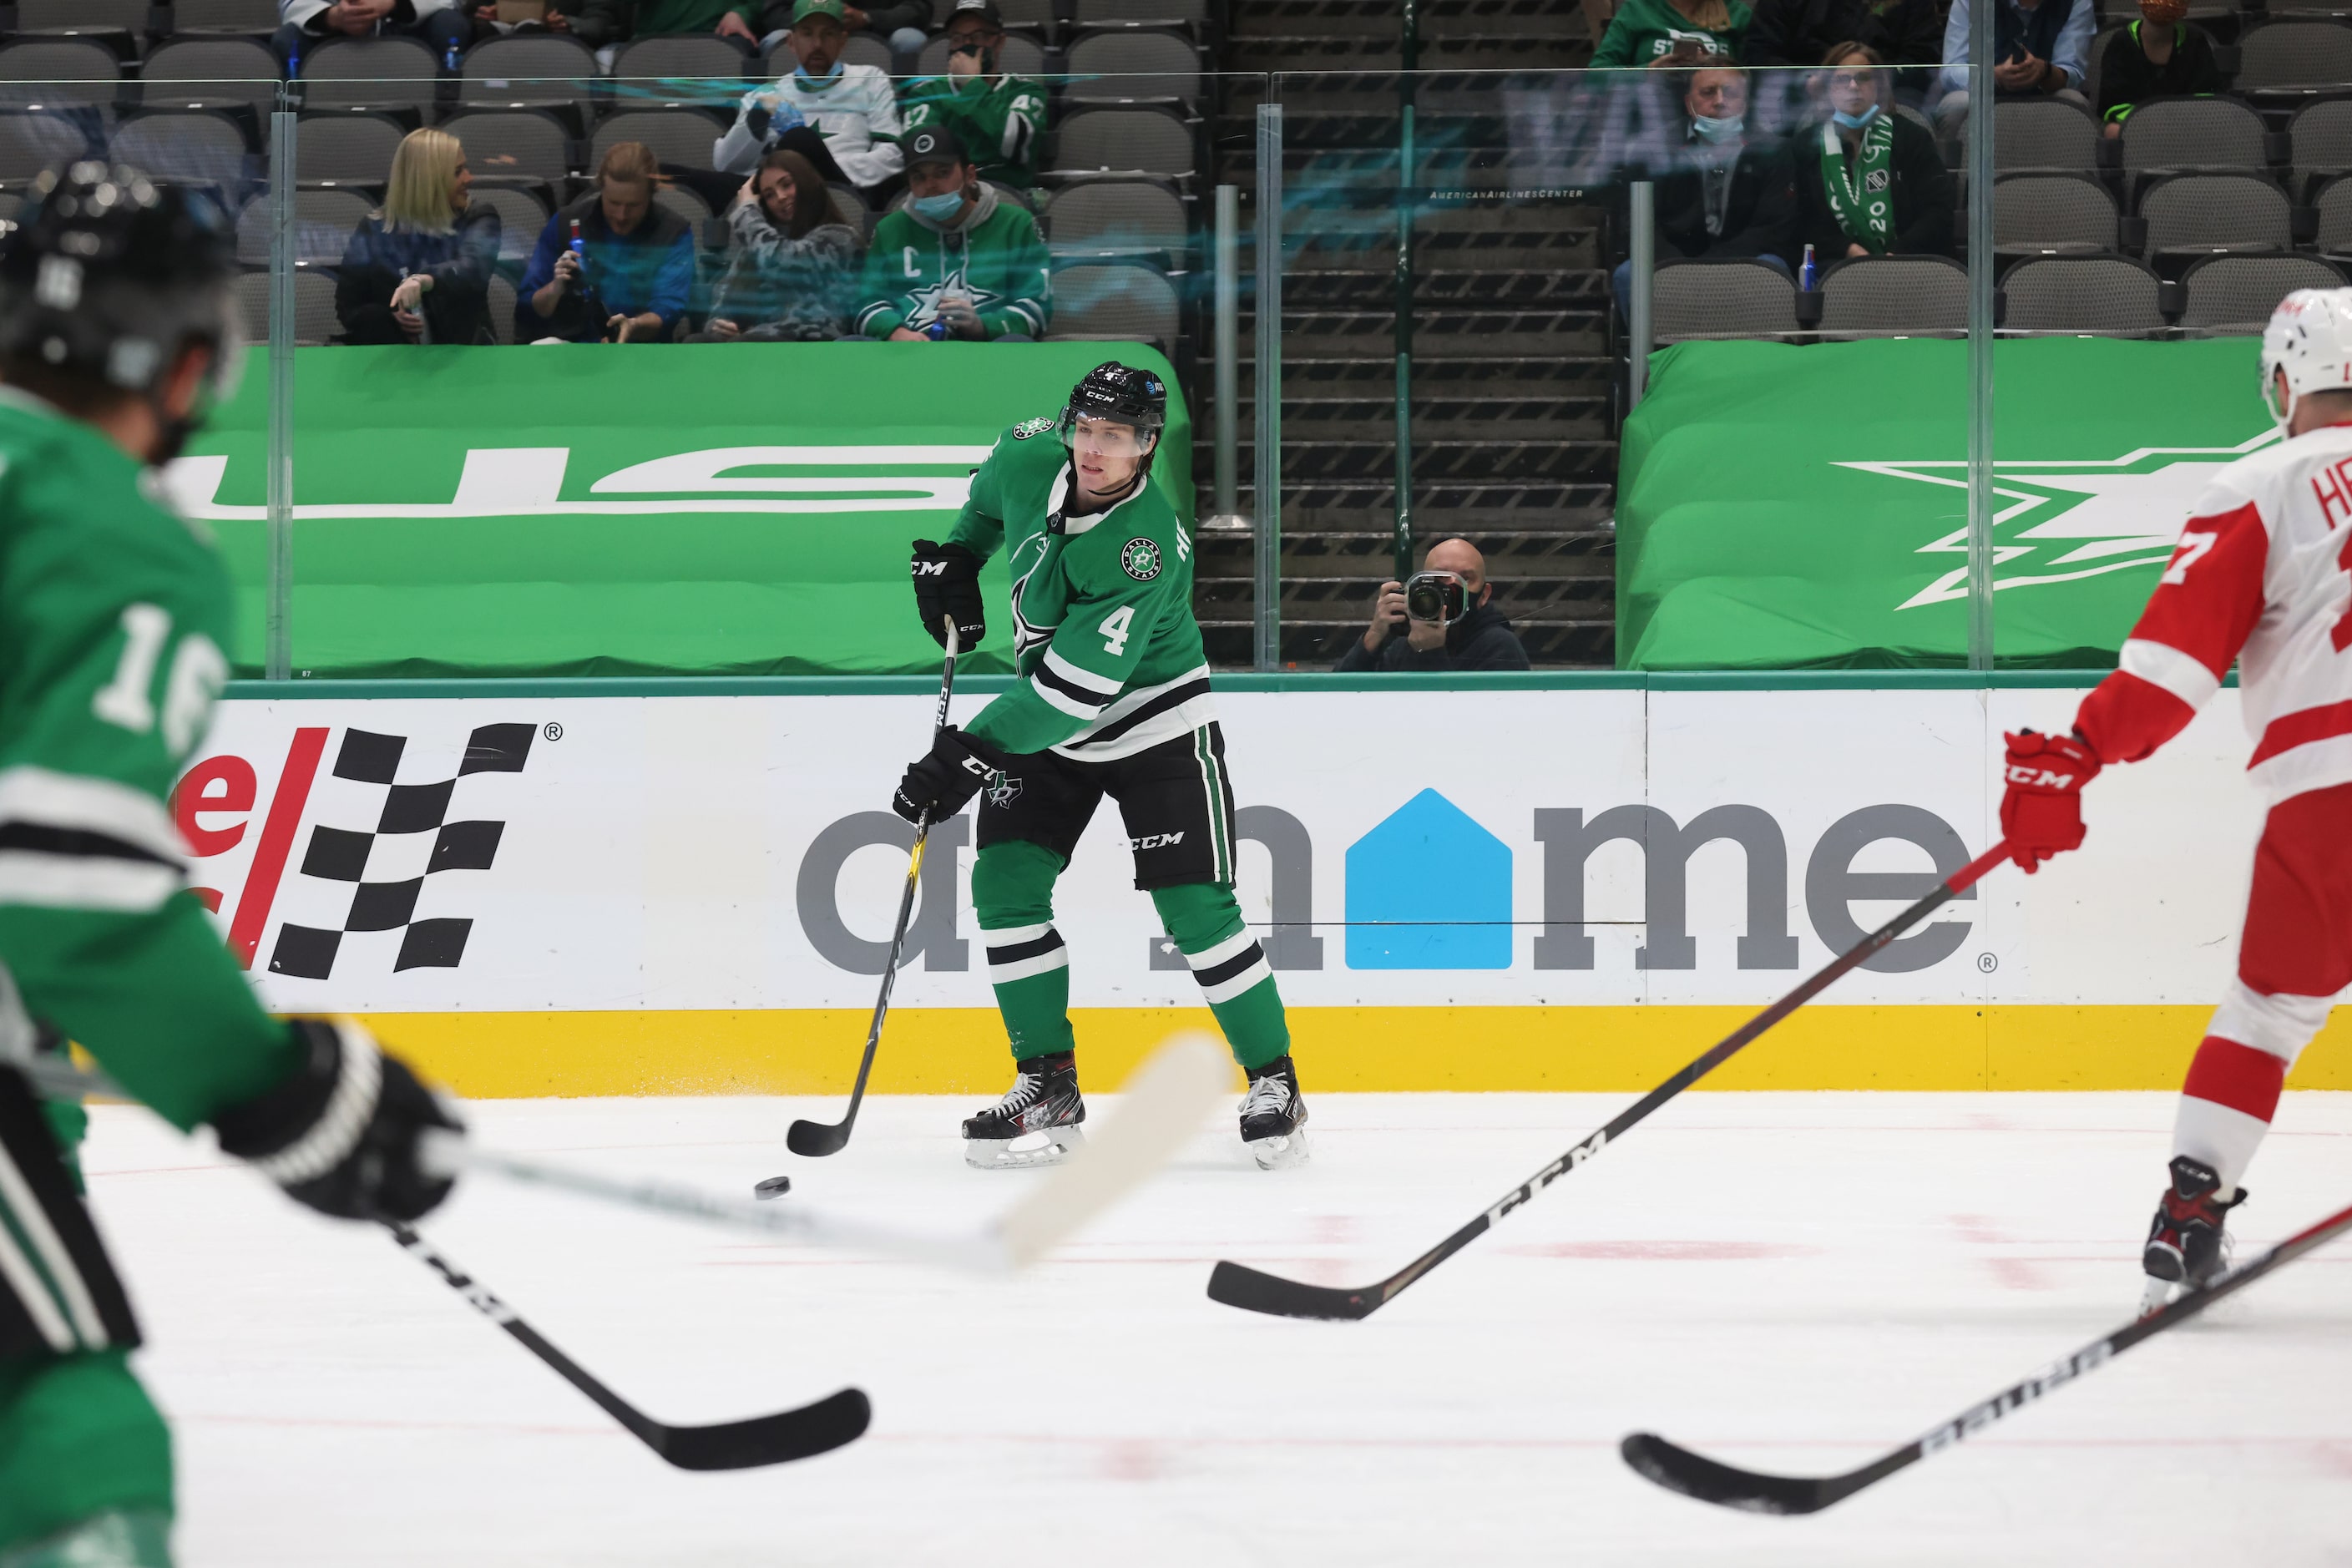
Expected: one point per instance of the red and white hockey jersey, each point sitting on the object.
(2263, 574)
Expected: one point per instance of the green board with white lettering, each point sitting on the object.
(740, 509)
(1787, 507)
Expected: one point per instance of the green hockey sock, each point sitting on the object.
(1205, 921)
(78, 1437)
(1013, 889)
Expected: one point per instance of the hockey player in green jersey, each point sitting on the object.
(117, 328)
(1113, 698)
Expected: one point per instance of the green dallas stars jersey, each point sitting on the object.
(114, 613)
(1109, 656)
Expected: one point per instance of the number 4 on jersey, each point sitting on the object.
(1115, 629)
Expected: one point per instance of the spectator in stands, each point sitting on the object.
(441, 25)
(638, 268)
(2159, 55)
(1801, 32)
(998, 118)
(419, 269)
(1479, 638)
(556, 17)
(956, 262)
(793, 262)
(843, 119)
(903, 26)
(1730, 194)
(2039, 51)
(1870, 182)
(604, 22)
(1677, 33)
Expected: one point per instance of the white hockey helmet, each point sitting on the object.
(2310, 338)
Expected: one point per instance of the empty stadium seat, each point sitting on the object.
(2320, 139)
(2191, 213)
(645, 69)
(202, 148)
(2192, 134)
(522, 213)
(31, 142)
(524, 71)
(252, 18)
(1133, 67)
(1895, 295)
(210, 73)
(1031, 16)
(1720, 300)
(2107, 296)
(323, 222)
(1121, 142)
(2334, 203)
(850, 208)
(2234, 295)
(514, 144)
(1020, 56)
(2051, 215)
(344, 150)
(58, 73)
(502, 309)
(683, 202)
(2294, 57)
(1184, 12)
(2043, 133)
(314, 307)
(862, 50)
(369, 76)
(67, 19)
(1113, 302)
(675, 135)
(1118, 217)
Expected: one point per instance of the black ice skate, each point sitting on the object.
(1043, 1110)
(1274, 1117)
(2186, 1244)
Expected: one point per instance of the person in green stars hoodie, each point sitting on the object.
(999, 118)
(1675, 33)
(956, 262)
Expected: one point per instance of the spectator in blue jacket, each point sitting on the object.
(418, 270)
(638, 270)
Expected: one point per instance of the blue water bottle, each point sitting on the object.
(937, 331)
(294, 58)
(1808, 275)
(449, 58)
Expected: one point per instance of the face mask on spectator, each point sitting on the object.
(1708, 128)
(1854, 121)
(807, 80)
(939, 208)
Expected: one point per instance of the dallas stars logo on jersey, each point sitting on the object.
(1141, 559)
(923, 304)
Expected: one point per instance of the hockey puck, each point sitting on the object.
(773, 1187)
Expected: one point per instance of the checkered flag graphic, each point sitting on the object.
(340, 854)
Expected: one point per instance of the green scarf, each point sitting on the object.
(1862, 198)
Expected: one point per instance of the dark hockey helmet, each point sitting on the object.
(1121, 394)
(110, 275)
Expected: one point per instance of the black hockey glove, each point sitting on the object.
(344, 1135)
(944, 779)
(947, 582)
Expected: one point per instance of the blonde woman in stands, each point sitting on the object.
(418, 270)
(1676, 34)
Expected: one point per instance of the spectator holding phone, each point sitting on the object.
(793, 262)
(628, 277)
(2039, 48)
(1447, 618)
(956, 262)
(843, 119)
(1675, 34)
(999, 119)
(419, 267)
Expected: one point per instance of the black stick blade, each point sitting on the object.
(1695, 1476)
(816, 1140)
(1253, 1291)
(775, 1439)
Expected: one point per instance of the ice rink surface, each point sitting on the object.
(1791, 1282)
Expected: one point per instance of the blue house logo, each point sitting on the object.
(1429, 889)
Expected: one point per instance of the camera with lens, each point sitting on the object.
(1435, 596)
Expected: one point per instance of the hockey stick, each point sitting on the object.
(1254, 1291)
(1680, 1471)
(836, 1419)
(816, 1138)
(1160, 1106)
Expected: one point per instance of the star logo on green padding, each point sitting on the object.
(2061, 520)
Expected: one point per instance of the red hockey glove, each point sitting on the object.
(2041, 809)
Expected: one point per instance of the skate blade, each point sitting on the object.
(2157, 1295)
(1055, 1145)
(1279, 1153)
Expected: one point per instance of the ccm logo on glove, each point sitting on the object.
(2041, 810)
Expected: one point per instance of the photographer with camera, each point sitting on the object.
(1446, 613)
